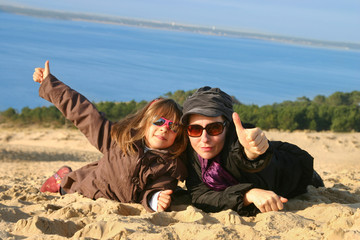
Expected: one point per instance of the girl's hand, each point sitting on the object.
(164, 200)
(264, 200)
(253, 140)
(41, 73)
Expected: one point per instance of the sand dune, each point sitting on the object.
(29, 156)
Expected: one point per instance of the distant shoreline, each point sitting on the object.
(107, 19)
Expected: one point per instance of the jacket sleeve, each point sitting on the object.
(79, 110)
(237, 161)
(290, 171)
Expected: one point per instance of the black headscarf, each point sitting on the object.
(210, 102)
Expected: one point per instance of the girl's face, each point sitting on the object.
(159, 137)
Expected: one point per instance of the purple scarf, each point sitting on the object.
(214, 175)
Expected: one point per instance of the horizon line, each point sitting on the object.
(174, 26)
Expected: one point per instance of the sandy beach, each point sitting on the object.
(29, 156)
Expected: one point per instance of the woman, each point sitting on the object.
(234, 166)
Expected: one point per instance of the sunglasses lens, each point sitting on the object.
(214, 129)
(159, 122)
(194, 130)
(174, 127)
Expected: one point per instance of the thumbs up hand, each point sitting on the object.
(253, 140)
(41, 73)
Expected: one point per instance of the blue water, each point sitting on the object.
(117, 63)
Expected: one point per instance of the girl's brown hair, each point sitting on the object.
(133, 127)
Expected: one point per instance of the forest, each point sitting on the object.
(339, 112)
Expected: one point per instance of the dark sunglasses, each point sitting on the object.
(213, 129)
(170, 124)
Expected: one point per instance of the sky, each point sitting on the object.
(329, 20)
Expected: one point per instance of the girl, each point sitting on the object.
(141, 153)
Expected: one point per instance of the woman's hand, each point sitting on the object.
(264, 200)
(253, 140)
(41, 73)
(164, 200)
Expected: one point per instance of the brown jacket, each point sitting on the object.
(116, 176)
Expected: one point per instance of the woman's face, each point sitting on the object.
(207, 146)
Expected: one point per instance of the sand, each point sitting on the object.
(29, 156)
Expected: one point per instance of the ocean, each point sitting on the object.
(118, 63)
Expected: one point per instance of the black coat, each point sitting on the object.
(284, 168)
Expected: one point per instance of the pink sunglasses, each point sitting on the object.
(170, 124)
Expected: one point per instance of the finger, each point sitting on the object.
(167, 192)
(47, 66)
(240, 130)
(165, 199)
(160, 208)
(255, 150)
(162, 204)
(262, 139)
(256, 137)
(262, 209)
(38, 73)
(267, 208)
(263, 142)
(39, 70)
(276, 204)
(37, 77)
(164, 196)
(251, 134)
(254, 134)
(260, 143)
(264, 148)
(237, 122)
(261, 147)
(280, 205)
(260, 150)
(47, 69)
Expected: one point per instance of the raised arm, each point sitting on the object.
(74, 107)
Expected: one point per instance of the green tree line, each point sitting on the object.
(339, 112)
